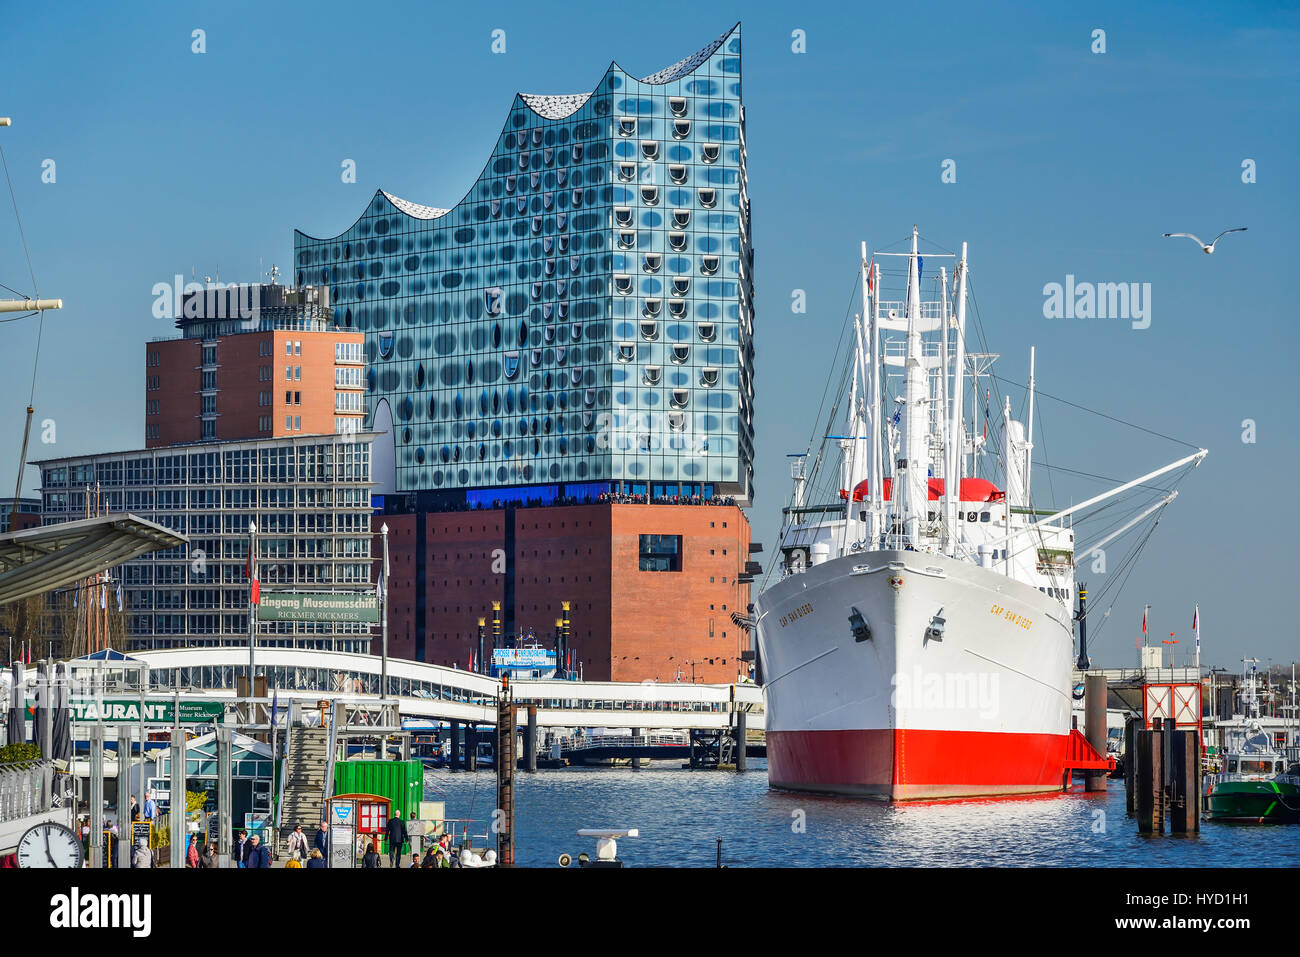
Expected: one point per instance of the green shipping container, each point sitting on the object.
(402, 782)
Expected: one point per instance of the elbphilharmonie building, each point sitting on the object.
(582, 319)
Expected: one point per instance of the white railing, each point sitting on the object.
(1229, 777)
(587, 743)
(27, 788)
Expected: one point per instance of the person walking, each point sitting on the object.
(321, 842)
(208, 856)
(240, 851)
(316, 859)
(150, 806)
(259, 855)
(396, 828)
(135, 808)
(371, 858)
(297, 844)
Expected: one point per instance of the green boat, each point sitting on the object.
(1255, 785)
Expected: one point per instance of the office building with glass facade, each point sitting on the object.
(583, 318)
(309, 496)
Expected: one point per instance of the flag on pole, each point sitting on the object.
(871, 276)
(987, 394)
(103, 596)
(119, 596)
(75, 589)
(275, 704)
(1196, 629)
(471, 661)
(250, 569)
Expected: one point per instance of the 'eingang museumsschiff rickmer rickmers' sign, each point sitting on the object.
(307, 606)
(155, 712)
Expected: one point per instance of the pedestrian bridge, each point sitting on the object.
(435, 693)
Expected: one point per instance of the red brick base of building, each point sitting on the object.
(652, 589)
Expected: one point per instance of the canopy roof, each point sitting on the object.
(40, 560)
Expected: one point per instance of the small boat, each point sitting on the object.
(1254, 784)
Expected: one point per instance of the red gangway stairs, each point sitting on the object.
(1082, 756)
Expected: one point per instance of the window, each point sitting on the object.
(297, 348)
(650, 195)
(681, 129)
(288, 348)
(297, 372)
(288, 423)
(297, 423)
(677, 241)
(709, 152)
(627, 172)
(623, 284)
(708, 197)
(681, 218)
(650, 149)
(677, 174)
(709, 264)
(626, 126)
(288, 373)
(288, 398)
(678, 105)
(660, 553)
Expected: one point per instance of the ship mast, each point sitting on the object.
(913, 454)
(954, 446)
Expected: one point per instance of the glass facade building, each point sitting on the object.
(310, 498)
(584, 315)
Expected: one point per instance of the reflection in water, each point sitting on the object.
(681, 814)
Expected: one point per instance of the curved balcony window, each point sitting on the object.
(536, 291)
(577, 152)
(521, 205)
(575, 264)
(561, 222)
(537, 136)
(650, 309)
(681, 354)
(548, 155)
(677, 308)
(627, 172)
(561, 353)
(575, 377)
(709, 264)
(709, 152)
(523, 161)
(589, 399)
(623, 285)
(681, 218)
(677, 241)
(626, 352)
(650, 195)
(623, 215)
(547, 309)
(649, 330)
(708, 331)
(626, 126)
(537, 358)
(681, 285)
(678, 105)
(577, 197)
(677, 173)
(496, 208)
(548, 244)
(510, 183)
(535, 180)
(708, 377)
(627, 239)
(511, 364)
(653, 374)
(677, 421)
(680, 398)
(653, 261)
(562, 287)
(575, 331)
(681, 129)
(549, 268)
(564, 244)
(650, 149)
(563, 309)
(537, 225)
(708, 197)
(548, 201)
(561, 176)
(548, 333)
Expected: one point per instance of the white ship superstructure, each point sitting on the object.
(918, 642)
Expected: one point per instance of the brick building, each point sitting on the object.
(260, 361)
(652, 588)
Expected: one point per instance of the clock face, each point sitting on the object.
(49, 845)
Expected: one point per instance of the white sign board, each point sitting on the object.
(342, 853)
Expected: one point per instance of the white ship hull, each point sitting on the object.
(981, 709)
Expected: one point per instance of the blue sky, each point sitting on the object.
(1067, 161)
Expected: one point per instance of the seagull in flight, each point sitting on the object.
(1208, 250)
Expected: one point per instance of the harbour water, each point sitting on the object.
(681, 814)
